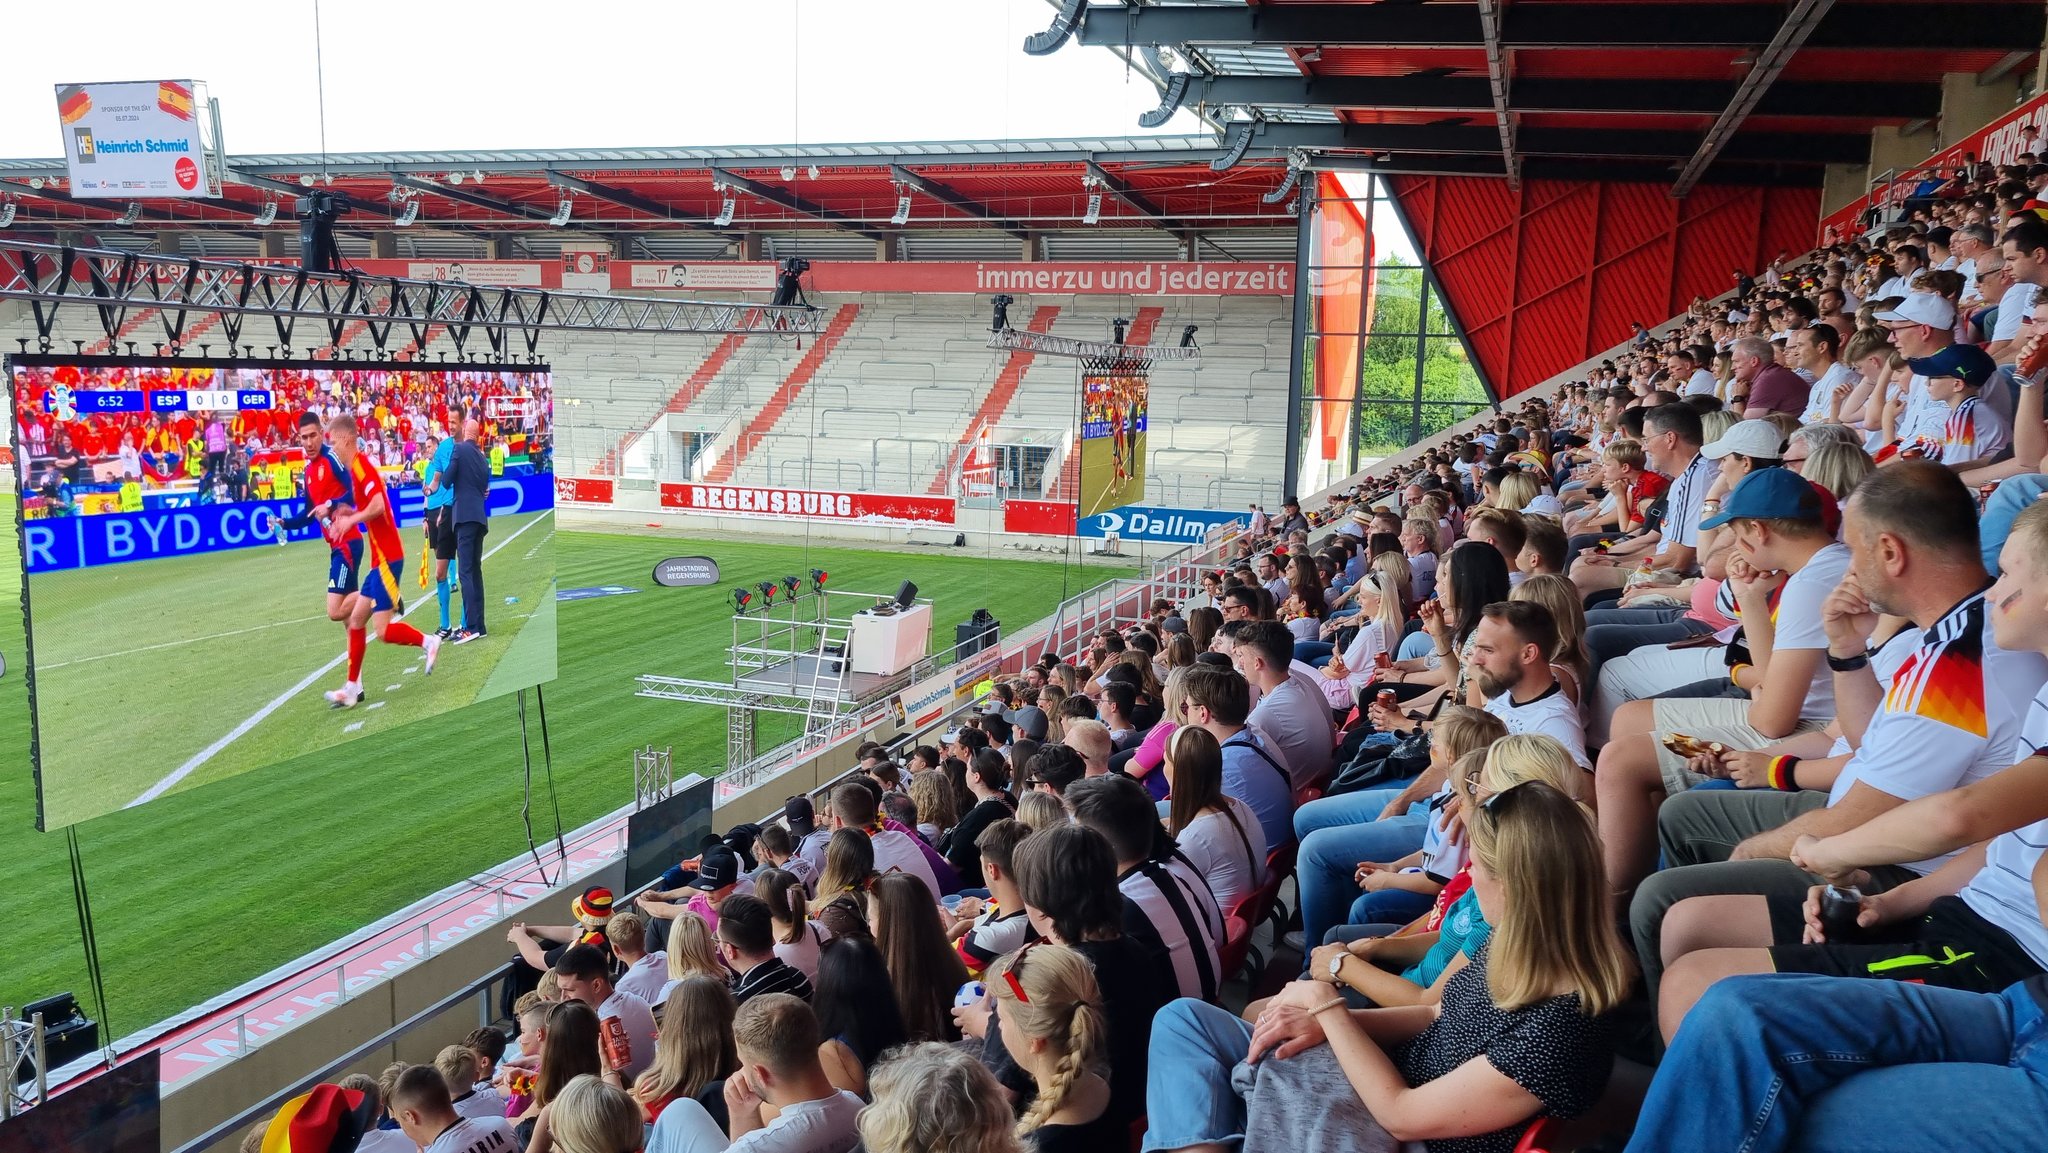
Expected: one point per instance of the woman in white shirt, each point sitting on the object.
(1219, 834)
(797, 939)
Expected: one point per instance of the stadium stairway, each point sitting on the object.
(792, 385)
(692, 387)
(103, 346)
(997, 401)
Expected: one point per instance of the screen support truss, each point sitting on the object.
(1046, 344)
(338, 307)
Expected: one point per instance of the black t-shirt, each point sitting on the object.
(958, 846)
(1093, 1137)
(1552, 1049)
(1132, 995)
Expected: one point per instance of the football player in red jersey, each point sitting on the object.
(379, 602)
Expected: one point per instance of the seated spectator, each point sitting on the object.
(1432, 659)
(1944, 707)
(382, 1134)
(779, 850)
(1041, 810)
(1054, 1027)
(420, 1103)
(746, 939)
(1340, 833)
(854, 807)
(1671, 445)
(987, 778)
(1168, 908)
(982, 930)
(1770, 387)
(584, 974)
(1504, 531)
(1973, 434)
(569, 1047)
(933, 1098)
(1291, 715)
(1054, 768)
(923, 968)
(1092, 740)
(593, 1117)
(694, 1051)
(1779, 524)
(1543, 548)
(459, 1068)
(1568, 661)
(1521, 1027)
(777, 1039)
(643, 973)
(1218, 700)
(797, 937)
(1418, 544)
(1119, 699)
(717, 877)
(1217, 833)
(691, 952)
(540, 946)
(857, 1012)
(933, 798)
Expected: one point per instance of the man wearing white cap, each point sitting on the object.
(1922, 325)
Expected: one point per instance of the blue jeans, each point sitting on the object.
(1188, 1098)
(1417, 644)
(1338, 832)
(1388, 907)
(1831, 1065)
(1314, 654)
(2012, 496)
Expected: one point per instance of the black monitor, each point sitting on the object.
(667, 831)
(905, 596)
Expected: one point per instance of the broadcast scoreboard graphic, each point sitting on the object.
(180, 624)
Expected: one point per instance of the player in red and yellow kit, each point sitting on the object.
(379, 600)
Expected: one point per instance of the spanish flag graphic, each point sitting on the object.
(174, 98)
(73, 103)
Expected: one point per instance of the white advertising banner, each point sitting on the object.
(138, 139)
(507, 274)
(744, 277)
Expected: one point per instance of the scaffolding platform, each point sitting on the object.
(798, 675)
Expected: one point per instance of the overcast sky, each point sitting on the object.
(457, 74)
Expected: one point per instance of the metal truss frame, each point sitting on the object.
(116, 285)
(1046, 344)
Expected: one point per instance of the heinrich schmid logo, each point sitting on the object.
(82, 145)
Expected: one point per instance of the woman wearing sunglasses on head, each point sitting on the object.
(1518, 1034)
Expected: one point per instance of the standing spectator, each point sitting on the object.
(215, 439)
(470, 476)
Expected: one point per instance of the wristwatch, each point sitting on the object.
(1337, 965)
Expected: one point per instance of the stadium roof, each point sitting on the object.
(1743, 91)
(994, 192)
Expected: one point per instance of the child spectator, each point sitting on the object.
(982, 931)
(644, 973)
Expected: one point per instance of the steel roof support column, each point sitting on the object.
(1297, 348)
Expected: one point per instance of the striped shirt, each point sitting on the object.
(1169, 910)
(774, 975)
(2002, 892)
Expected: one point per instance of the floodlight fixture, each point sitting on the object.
(561, 216)
(477, 176)
(7, 209)
(902, 215)
(455, 178)
(306, 180)
(814, 172)
(818, 578)
(725, 211)
(741, 598)
(791, 585)
(1094, 213)
(35, 182)
(268, 216)
(410, 215)
(767, 593)
(133, 214)
(789, 172)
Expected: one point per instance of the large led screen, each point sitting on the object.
(212, 548)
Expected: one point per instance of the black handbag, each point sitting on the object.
(1381, 764)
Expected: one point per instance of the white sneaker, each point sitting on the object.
(432, 647)
(346, 696)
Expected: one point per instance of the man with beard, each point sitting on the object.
(1511, 649)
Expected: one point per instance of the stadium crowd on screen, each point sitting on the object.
(1664, 763)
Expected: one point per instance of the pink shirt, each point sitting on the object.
(1152, 750)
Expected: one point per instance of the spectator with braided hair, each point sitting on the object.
(1054, 1027)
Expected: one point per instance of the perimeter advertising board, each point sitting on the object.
(137, 139)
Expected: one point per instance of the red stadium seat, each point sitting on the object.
(1541, 1136)
(1237, 939)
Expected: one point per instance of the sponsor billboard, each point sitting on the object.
(136, 139)
(806, 504)
(496, 274)
(1166, 525)
(704, 275)
(584, 489)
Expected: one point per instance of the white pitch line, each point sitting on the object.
(176, 643)
(256, 718)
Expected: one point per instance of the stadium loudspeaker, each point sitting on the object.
(906, 595)
(975, 634)
(68, 1034)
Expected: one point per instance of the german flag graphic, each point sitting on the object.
(1944, 681)
(73, 103)
(174, 98)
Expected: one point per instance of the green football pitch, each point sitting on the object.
(205, 888)
(135, 702)
(1100, 490)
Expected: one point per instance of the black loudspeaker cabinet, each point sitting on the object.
(68, 1034)
(973, 635)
